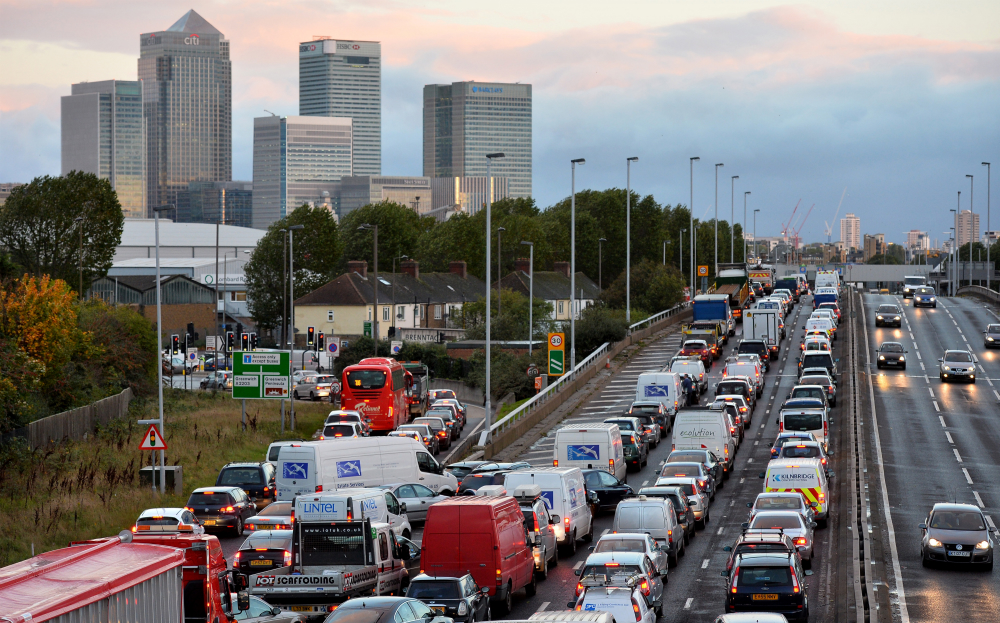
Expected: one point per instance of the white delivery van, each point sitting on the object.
(705, 429)
(764, 324)
(565, 496)
(590, 446)
(664, 387)
(822, 324)
(827, 279)
(320, 466)
(805, 476)
(378, 505)
(806, 420)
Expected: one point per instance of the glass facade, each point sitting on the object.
(102, 134)
(186, 77)
(229, 203)
(464, 121)
(344, 79)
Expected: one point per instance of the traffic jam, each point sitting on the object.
(365, 517)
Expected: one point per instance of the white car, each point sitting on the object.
(791, 523)
(619, 595)
(342, 430)
(167, 520)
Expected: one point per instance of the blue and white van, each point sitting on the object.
(565, 496)
(590, 446)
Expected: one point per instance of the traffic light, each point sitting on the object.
(311, 336)
(184, 344)
(175, 344)
(245, 341)
(190, 331)
(239, 328)
(321, 341)
(391, 333)
(253, 341)
(230, 340)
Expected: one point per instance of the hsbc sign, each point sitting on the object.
(348, 47)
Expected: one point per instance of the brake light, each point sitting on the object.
(566, 521)
(736, 575)
(644, 587)
(579, 589)
(266, 489)
(287, 558)
(801, 540)
(781, 427)
(292, 520)
(795, 581)
(611, 464)
(635, 609)
(134, 528)
(670, 536)
(499, 579)
(822, 496)
(319, 488)
(555, 462)
(322, 437)
(189, 509)
(236, 557)
(442, 433)
(229, 509)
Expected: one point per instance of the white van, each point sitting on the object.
(705, 429)
(822, 324)
(805, 476)
(376, 504)
(806, 420)
(827, 279)
(590, 446)
(322, 466)
(662, 386)
(565, 497)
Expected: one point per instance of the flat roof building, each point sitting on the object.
(467, 194)
(850, 231)
(360, 190)
(229, 203)
(340, 78)
(968, 227)
(184, 240)
(464, 121)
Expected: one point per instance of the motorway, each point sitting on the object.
(939, 443)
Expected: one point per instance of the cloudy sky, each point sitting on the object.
(895, 103)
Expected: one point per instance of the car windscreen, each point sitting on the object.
(803, 421)
(686, 457)
(816, 361)
(444, 415)
(622, 424)
(731, 387)
(272, 454)
(993, 328)
(913, 281)
(695, 344)
(324, 380)
(239, 476)
(276, 509)
(208, 499)
(765, 576)
(815, 380)
(925, 291)
(957, 520)
(960, 357)
(808, 392)
(891, 348)
(474, 481)
(790, 451)
(777, 503)
(420, 430)
(774, 522)
(888, 309)
(434, 424)
(629, 440)
(338, 430)
(156, 521)
(434, 590)
(752, 347)
(686, 488)
(653, 409)
(366, 379)
(611, 569)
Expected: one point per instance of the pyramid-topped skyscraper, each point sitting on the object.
(186, 78)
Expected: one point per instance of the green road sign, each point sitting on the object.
(260, 374)
(368, 328)
(556, 362)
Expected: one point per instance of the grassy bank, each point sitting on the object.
(86, 489)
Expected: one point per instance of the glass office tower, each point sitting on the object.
(339, 78)
(102, 134)
(464, 121)
(186, 80)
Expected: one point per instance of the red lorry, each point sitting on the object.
(155, 578)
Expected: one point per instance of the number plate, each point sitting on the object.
(764, 597)
(260, 563)
(966, 554)
(208, 522)
(302, 608)
(438, 609)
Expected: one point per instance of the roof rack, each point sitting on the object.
(624, 580)
(747, 530)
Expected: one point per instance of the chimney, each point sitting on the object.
(561, 267)
(458, 268)
(411, 268)
(358, 266)
(523, 264)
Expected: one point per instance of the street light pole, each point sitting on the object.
(572, 262)
(600, 262)
(374, 229)
(972, 209)
(401, 257)
(291, 312)
(628, 238)
(489, 286)
(79, 225)
(744, 232)
(680, 252)
(691, 208)
(989, 266)
(499, 270)
(159, 343)
(717, 165)
(951, 279)
(732, 219)
(531, 291)
(755, 231)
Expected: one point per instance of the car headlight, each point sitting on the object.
(896, 318)
(934, 543)
(878, 317)
(947, 369)
(463, 608)
(881, 357)
(972, 368)
(983, 545)
(989, 339)
(931, 298)
(901, 358)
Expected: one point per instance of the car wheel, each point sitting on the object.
(544, 572)
(507, 605)
(807, 564)
(532, 588)
(941, 376)
(903, 367)
(687, 537)
(988, 566)
(489, 613)
(312, 396)
(239, 526)
(925, 561)
(406, 534)
(699, 524)
(295, 394)
(403, 586)
(589, 537)
(672, 560)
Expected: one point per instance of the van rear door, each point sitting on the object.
(296, 473)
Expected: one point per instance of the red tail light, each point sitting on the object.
(236, 558)
(319, 488)
(795, 581)
(555, 462)
(635, 609)
(611, 464)
(566, 521)
(229, 509)
(579, 589)
(499, 578)
(736, 574)
(288, 558)
(644, 587)
(801, 540)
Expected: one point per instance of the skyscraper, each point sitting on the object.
(968, 227)
(102, 134)
(344, 79)
(850, 231)
(186, 80)
(295, 161)
(464, 121)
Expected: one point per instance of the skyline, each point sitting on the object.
(799, 102)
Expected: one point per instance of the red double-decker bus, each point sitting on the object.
(376, 388)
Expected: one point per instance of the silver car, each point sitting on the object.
(274, 516)
(957, 364)
(782, 501)
(316, 387)
(695, 493)
(689, 469)
(417, 498)
(957, 533)
(629, 542)
(631, 563)
(791, 523)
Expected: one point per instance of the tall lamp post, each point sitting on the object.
(291, 311)
(401, 257)
(745, 195)
(732, 219)
(500, 230)
(628, 238)
(572, 262)
(972, 208)
(374, 229)
(531, 291)
(755, 231)
(159, 342)
(717, 165)
(485, 437)
(691, 207)
(600, 262)
(680, 252)
(989, 266)
(79, 225)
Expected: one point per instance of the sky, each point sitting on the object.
(894, 101)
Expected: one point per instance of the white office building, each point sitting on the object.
(850, 231)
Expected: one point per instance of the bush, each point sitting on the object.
(596, 326)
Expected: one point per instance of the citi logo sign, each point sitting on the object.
(192, 40)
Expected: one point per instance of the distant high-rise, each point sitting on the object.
(968, 227)
(340, 78)
(850, 231)
(228, 203)
(102, 134)
(917, 240)
(464, 121)
(186, 80)
(298, 160)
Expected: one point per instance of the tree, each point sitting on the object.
(317, 253)
(883, 259)
(654, 288)
(512, 324)
(38, 226)
(399, 232)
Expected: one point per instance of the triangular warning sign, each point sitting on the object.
(152, 440)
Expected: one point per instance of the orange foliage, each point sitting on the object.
(39, 314)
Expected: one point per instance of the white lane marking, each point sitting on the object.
(948, 435)
(645, 482)
(922, 366)
(750, 460)
(687, 604)
(958, 457)
(989, 521)
(968, 478)
(931, 391)
(943, 425)
(990, 381)
(721, 528)
(542, 607)
(762, 426)
(997, 394)
(938, 409)
(704, 564)
(756, 442)
(606, 530)
(741, 480)
(731, 502)
(979, 500)
(911, 332)
(918, 355)
(579, 563)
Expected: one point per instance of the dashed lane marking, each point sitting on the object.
(606, 530)
(931, 391)
(719, 531)
(943, 425)
(979, 500)
(741, 480)
(645, 482)
(542, 607)
(704, 563)
(948, 435)
(579, 563)
(958, 456)
(687, 604)
(922, 366)
(997, 394)
(938, 409)
(968, 478)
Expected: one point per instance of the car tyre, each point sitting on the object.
(295, 394)
(988, 566)
(530, 589)
(941, 376)
(672, 559)
(504, 606)
(925, 561)
(489, 612)
(312, 396)
(238, 530)
(544, 573)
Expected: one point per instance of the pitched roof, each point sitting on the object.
(353, 289)
(550, 285)
(192, 22)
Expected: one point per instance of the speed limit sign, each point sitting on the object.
(555, 340)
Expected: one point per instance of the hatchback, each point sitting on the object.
(342, 430)
(957, 533)
(631, 542)
(924, 297)
(382, 610)
(888, 315)
(705, 457)
(256, 480)
(782, 501)
(277, 516)
(789, 437)
(678, 469)
(992, 336)
(751, 541)
(682, 506)
(891, 355)
(221, 508)
(768, 582)
(167, 520)
(635, 449)
(458, 598)
(264, 550)
(791, 523)
(316, 387)
(957, 364)
(609, 564)
(431, 441)
(610, 491)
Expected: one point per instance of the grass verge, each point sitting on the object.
(86, 489)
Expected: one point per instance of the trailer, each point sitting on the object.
(715, 308)
(732, 281)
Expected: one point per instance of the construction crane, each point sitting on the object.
(785, 227)
(829, 226)
(799, 228)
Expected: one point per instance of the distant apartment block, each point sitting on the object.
(6, 188)
(228, 203)
(467, 194)
(850, 231)
(968, 227)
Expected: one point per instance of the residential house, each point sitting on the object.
(553, 286)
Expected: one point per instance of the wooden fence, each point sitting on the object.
(76, 423)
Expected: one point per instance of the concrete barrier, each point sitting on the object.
(465, 393)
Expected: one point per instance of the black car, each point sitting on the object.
(992, 336)
(464, 468)
(471, 483)
(768, 582)
(759, 348)
(458, 598)
(888, 316)
(890, 355)
(610, 491)
(381, 610)
(256, 480)
(708, 460)
(635, 450)
(221, 508)
(653, 409)
(450, 420)
(681, 504)
(264, 550)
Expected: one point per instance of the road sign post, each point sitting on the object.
(260, 375)
(557, 354)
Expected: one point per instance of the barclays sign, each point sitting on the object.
(487, 89)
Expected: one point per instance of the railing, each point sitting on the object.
(541, 397)
(990, 295)
(657, 317)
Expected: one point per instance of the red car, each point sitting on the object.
(697, 348)
(832, 307)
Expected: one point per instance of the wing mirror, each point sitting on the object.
(808, 573)
(762, 474)
(724, 574)
(727, 548)
(275, 611)
(813, 505)
(745, 525)
(922, 526)
(577, 572)
(402, 507)
(813, 524)
(749, 504)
